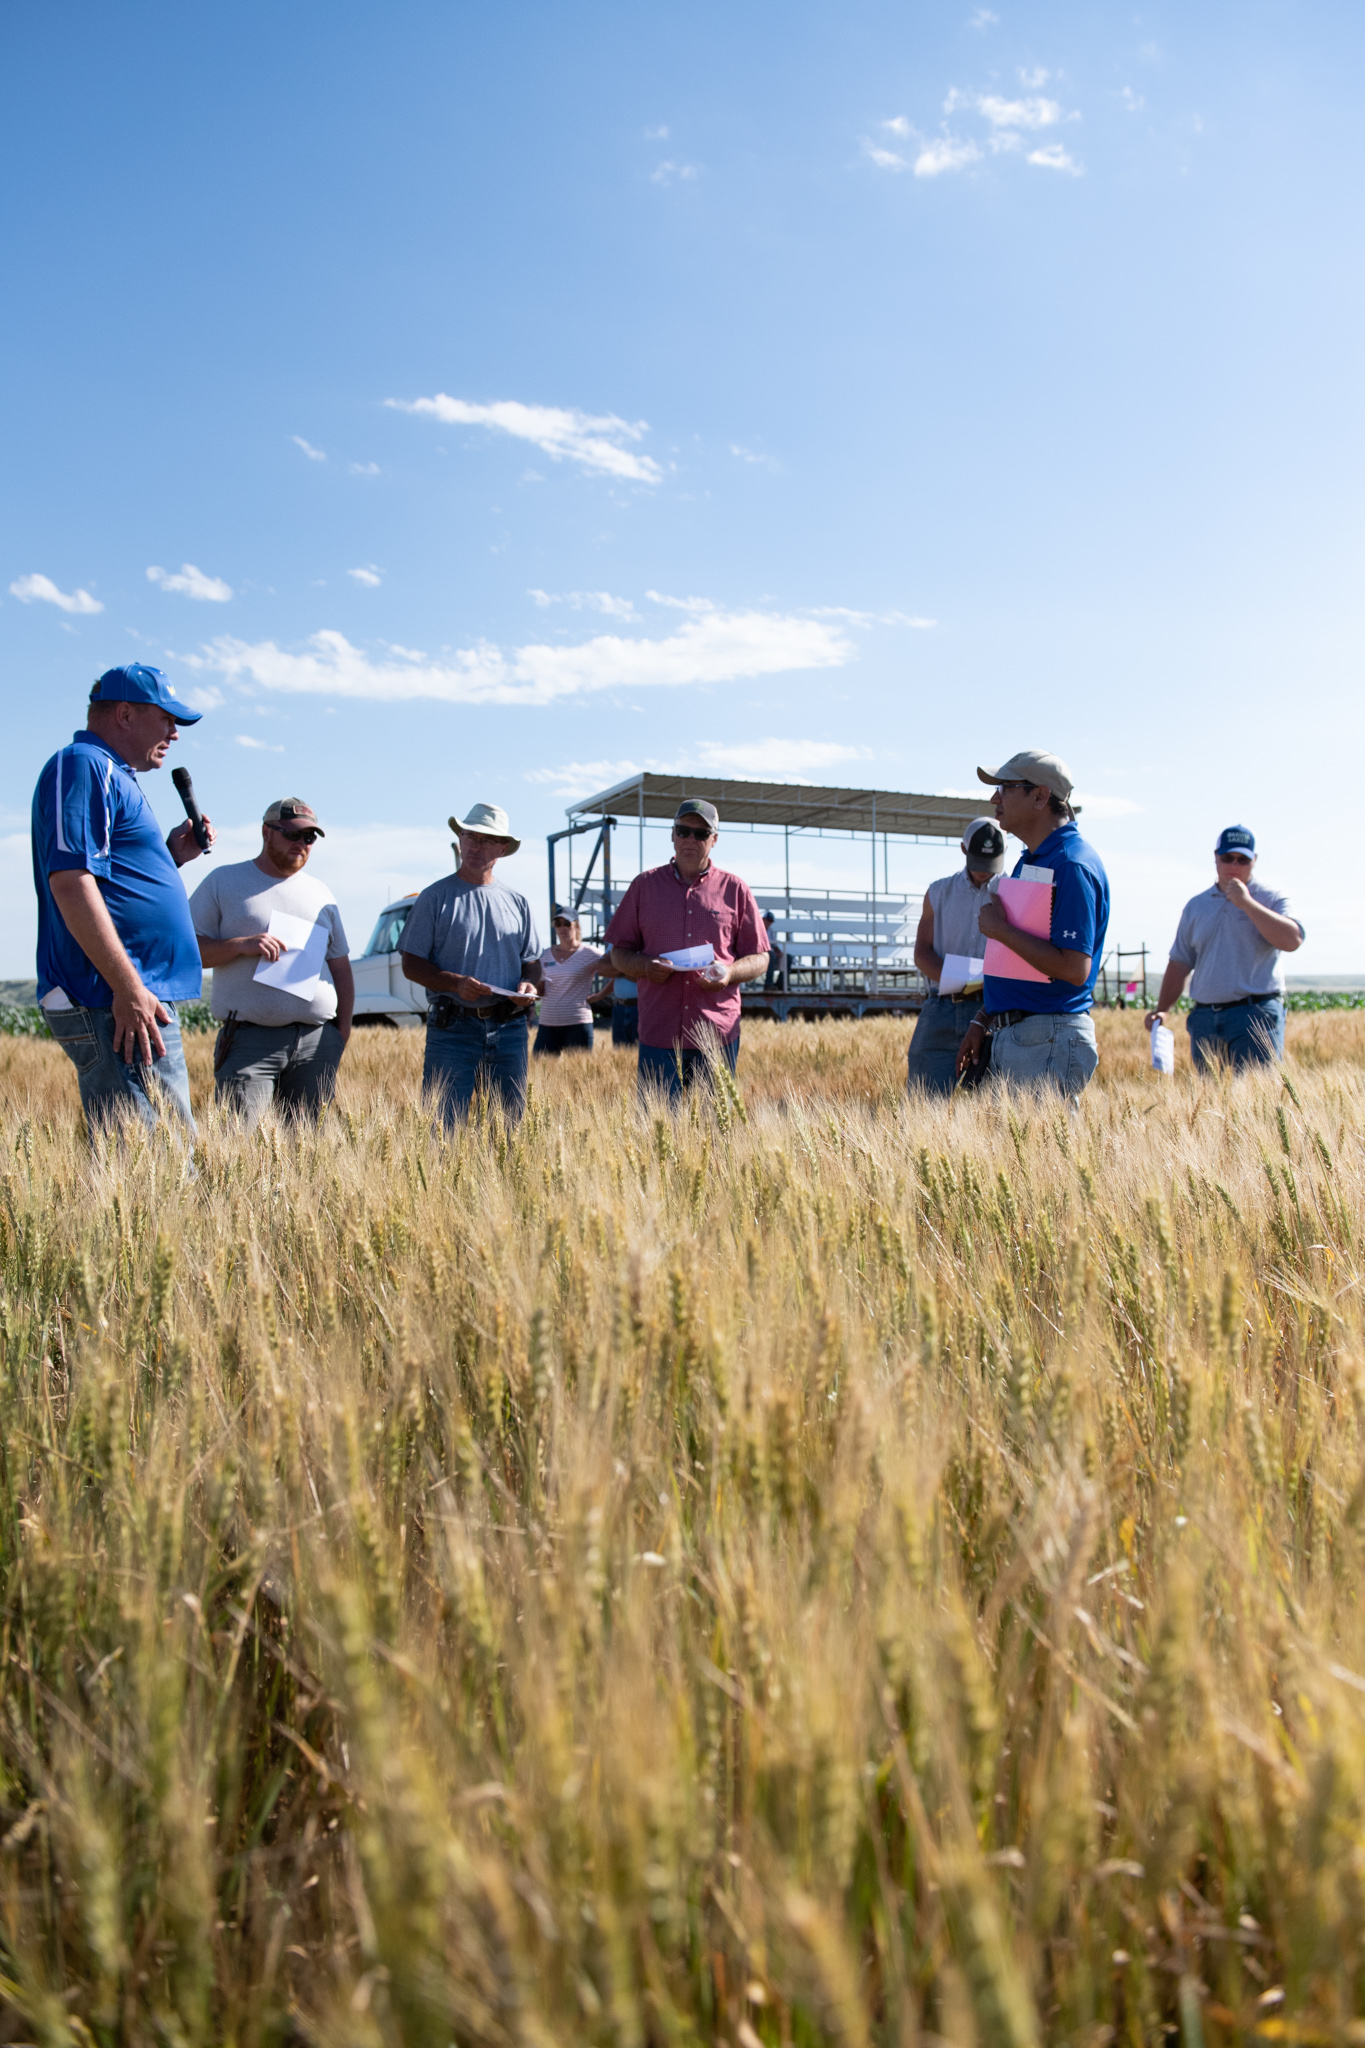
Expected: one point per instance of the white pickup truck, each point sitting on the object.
(383, 993)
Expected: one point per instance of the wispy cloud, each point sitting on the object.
(191, 582)
(1053, 157)
(1133, 101)
(42, 590)
(680, 604)
(854, 618)
(670, 173)
(363, 468)
(1002, 113)
(713, 647)
(656, 135)
(983, 19)
(587, 601)
(368, 575)
(313, 454)
(246, 739)
(592, 440)
(752, 455)
(583, 778)
(1108, 806)
(927, 159)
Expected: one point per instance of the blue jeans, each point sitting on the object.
(553, 1039)
(1047, 1051)
(1249, 1034)
(110, 1086)
(625, 1023)
(673, 1068)
(475, 1051)
(939, 1030)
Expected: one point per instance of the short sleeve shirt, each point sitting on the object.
(660, 913)
(567, 983)
(1229, 957)
(1080, 921)
(90, 816)
(237, 902)
(476, 928)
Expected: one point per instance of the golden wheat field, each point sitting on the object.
(818, 1569)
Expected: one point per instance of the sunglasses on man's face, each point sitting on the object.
(1016, 785)
(306, 837)
(687, 832)
(1235, 860)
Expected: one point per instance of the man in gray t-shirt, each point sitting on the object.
(947, 925)
(1227, 946)
(282, 1038)
(474, 944)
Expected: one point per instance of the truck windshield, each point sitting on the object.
(389, 931)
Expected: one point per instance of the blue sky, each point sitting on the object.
(478, 402)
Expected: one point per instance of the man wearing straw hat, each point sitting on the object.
(948, 932)
(473, 942)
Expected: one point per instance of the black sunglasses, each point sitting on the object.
(1236, 860)
(1016, 784)
(305, 838)
(687, 832)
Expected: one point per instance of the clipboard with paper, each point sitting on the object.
(1026, 900)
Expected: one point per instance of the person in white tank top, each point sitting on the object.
(948, 925)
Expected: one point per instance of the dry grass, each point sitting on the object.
(814, 1571)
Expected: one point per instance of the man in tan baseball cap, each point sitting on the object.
(1038, 1019)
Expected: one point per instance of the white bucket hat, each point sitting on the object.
(491, 819)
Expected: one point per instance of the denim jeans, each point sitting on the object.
(1249, 1034)
(625, 1023)
(1045, 1051)
(292, 1065)
(110, 1086)
(475, 1051)
(939, 1030)
(553, 1039)
(673, 1068)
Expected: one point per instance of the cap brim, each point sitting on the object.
(984, 775)
(181, 713)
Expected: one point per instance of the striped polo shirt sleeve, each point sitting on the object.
(81, 803)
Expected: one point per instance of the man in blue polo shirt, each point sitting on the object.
(116, 944)
(1041, 1032)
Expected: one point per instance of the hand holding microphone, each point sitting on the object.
(197, 827)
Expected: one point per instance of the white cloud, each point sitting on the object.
(667, 173)
(364, 468)
(1003, 113)
(945, 153)
(369, 576)
(841, 611)
(587, 601)
(656, 135)
(244, 739)
(786, 759)
(1108, 806)
(712, 647)
(591, 440)
(192, 582)
(582, 778)
(898, 125)
(1031, 77)
(42, 590)
(984, 19)
(1052, 157)
(202, 697)
(1132, 100)
(751, 455)
(886, 159)
(313, 454)
(680, 604)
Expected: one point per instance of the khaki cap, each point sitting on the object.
(490, 819)
(292, 810)
(1032, 766)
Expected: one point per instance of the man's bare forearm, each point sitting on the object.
(630, 966)
(427, 975)
(748, 968)
(343, 980)
(928, 963)
(534, 972)
(1276, 929)
(86, 916)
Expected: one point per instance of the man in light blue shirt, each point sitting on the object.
(116, 944)
(1228, 946)
(473, 943)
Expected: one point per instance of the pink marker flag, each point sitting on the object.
(1028, 906)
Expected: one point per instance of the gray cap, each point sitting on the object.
(1031, 765)
(697, 807)
(490, 819)
(984, 845)
(292, 810)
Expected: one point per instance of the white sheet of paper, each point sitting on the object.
(1163, 1048)
(690, 956)
(299, 967)
(1028, 874)
(960, 971)
(493, 989)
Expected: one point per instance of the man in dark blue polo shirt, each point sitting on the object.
(116, 944)
(1041, 1032)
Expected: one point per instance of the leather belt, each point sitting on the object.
(1000, 1020)
(1241, 1002)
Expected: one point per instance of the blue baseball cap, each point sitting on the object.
(138, 683)
(1236, 839)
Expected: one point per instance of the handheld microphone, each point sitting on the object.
(181, 778)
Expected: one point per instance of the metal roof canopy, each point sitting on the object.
(799, 806)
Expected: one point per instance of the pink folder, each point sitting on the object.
(1028, 906)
